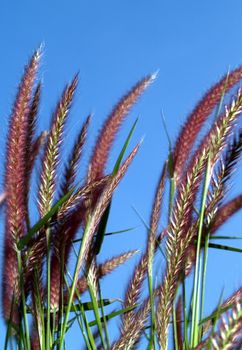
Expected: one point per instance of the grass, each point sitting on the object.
(42, 299)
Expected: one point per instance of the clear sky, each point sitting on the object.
(113, 44)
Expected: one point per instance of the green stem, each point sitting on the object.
(75, 278)
(48, 263)
(196, 289)
(24, 309)
(205, 260)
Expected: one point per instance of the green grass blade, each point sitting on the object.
(75, 278)
(104, 220)
(215, 321)
(216, 313)
(104, 323)
(96, 311)
(125, 146)
(114, 314)
(48, 267)
(87, 306)
(204, 273)
(42, 222)
(175, 326)
(82, 319)
(225, 237)
(101, 230)
(225, 247)
(197, 274)
(185, 314)
(109, 234)
(23, 301)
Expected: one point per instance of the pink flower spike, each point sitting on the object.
(111, 126)
(15, 184)
(197, 118)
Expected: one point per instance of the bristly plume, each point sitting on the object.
(36, 146)
(15, 182)
(63, 236)
(71, 167)
(101, 206)
(133, 290)
(229, 334)
(226, 211)
(111, 126)
(51, 155)
(33, 112)
(132, 335)
(230, 302)
(75, 219)
(103, 270)
(198, 116)
(180, 234)
(65, 233)
(220, 178)
(49, 169)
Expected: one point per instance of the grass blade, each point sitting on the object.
(196, 291)
(42, 222)
(114, 314)
(103, 223)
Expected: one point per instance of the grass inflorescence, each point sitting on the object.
(42, 299)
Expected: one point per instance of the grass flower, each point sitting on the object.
(49, 265)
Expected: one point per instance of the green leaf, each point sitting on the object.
(42, 222)
(121, 155)
(225, 247)
(109, 233)
(217, 313)
(89, 305)
(114, 314)
(86, 306)
(104, 220)
(225, 237)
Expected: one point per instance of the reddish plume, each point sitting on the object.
(197, 118)
(15, 184)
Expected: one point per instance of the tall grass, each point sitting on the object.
(41, 299)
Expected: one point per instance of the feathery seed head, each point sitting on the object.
(196, 119)
(16, 174)
(111, 126)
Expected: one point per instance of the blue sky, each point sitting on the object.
(113, 44)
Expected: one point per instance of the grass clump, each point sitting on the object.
(40, 298)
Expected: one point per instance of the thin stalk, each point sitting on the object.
(186, 319)
(40, 313)
(96, 312)
(88, 338)
(88, 329)
(22, 338)
(48, 263)
(103, 317)
(61, 292)
(215, 320)
(9, 327)
(204, 273)
(196, 291)
(172, 182)
(75, 278)
(152, 302)
(53, 330)
(26, 326)
(175, 326)
(170, 165)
